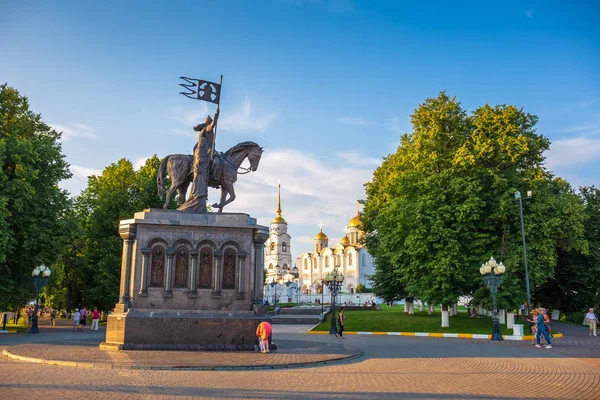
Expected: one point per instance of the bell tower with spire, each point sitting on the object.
(278, 261)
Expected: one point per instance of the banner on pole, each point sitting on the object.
(198, 89)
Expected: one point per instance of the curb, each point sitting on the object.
(8, 331)
(178, 368)
(436, 335)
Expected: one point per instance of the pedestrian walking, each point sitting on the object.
(53, 317)
(591, 319)
(533, 325)
(76, 318)
(95, 319)
(523, 309)
(263, 332)
(340, 324)
(541, 330)
(83, 317)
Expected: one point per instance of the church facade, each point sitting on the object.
(350, 257)
(286, 282)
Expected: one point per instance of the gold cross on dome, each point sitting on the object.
(321, 225)
(358, 206)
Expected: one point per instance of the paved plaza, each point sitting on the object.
(388, 368)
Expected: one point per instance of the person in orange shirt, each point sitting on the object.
(263, 331)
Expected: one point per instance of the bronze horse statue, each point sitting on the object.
(223, 172)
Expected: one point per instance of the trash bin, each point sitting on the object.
(518, 330)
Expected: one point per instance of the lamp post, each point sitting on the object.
(322, 293)
(273, 284)
(518, 197)
(492, 275)
(334, 280)
(40, 278)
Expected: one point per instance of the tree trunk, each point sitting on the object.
(422, 306)
(445, 318)
(455, 309)
(410, 305)
(430, 309)
(510, 319)
(501, 316)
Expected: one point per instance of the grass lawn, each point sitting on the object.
(20, 327)
(394, 319)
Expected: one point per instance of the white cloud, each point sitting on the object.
(591, 128)
(568, 152)
(245, 120)
(398, 125)
(360, 160)
(312, 190)
(73, 130)
(84, 172)
(356, 121)
(139, 163)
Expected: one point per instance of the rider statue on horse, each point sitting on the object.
(206, 168)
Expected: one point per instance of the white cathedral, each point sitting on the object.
(350, 256)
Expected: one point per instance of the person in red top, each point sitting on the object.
(263, 331)
(95, 319)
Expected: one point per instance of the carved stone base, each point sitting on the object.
(137, 330)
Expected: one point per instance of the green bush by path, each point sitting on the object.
(394, 319)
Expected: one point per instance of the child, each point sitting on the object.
(76, 319)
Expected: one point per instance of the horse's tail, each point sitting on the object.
(159, 177)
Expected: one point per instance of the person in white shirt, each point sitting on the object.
(76, 318)
(591, 319)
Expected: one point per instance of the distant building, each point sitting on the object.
(281, 279)
(350, 255)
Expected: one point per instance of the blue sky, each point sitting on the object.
(326, 87)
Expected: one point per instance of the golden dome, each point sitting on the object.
(279, 220)
(321, 236)
(345, 241)
(354, 222)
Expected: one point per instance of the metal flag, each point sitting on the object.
(198, 89)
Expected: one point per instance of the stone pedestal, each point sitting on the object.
(189, 281)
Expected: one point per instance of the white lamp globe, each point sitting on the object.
(36, 271)
(46, 273)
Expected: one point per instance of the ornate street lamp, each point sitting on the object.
(40, 278)
(492, 275)
(334, 280)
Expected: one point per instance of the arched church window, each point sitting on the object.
(283, 247)
(349, 258)
(305, 263)
(272, 248)
(326, 262)
(285, 266)
(270, 266)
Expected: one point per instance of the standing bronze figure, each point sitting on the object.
(203, 150)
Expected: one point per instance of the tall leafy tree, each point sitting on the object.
(443, 203)
(574, 285)
(32, 205)
(109, 198)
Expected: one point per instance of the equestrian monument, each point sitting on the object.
(192, 279)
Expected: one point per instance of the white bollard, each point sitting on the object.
(518, 330)
(510, 319)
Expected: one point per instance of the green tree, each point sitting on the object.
(32, 205)
(574, 285)
(109, 198)
(444, 203)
